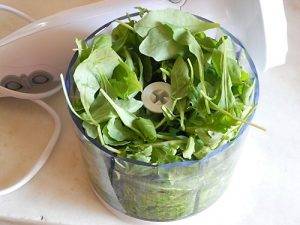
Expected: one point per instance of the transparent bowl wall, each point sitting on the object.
(165, 192)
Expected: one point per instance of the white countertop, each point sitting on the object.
(265, 188)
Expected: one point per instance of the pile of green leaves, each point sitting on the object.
(211, 92)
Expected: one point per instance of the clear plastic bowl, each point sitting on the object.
(164, 192)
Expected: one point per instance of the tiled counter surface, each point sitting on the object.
(265, 188)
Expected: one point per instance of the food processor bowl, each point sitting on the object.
(160, 192)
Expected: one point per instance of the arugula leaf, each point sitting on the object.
(119, 37)
(103, 61)
(165, 154)
(207, 43)
(86, 83)
(124, 81)
(180, 79)
(226, 100)
(225, 44)
(181, 108)
(90, 129)
(139, 68)
(247, 93)
(202, 152)
(185, 37)
(128, 60)
(117, 131)
(147, 68)
(168, 113)
(126, 117)
(171, 16)
(101, 111)
(143, 127)
(108, 140)
(106, 85)
(146, 127)
(77, 105)
(83, 49)
(159, 44)
(190, 148)
(131, 105)
(102, 41)
(140, 155)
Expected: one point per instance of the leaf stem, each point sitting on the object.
(169, 138)
(112, 149)
(100, 134)
(157, 144)
(161, 123)
(201, 74)
(229, 114)
(165, 71)
(63, 84)
(128, 16)
(192, 70)
(125, 25)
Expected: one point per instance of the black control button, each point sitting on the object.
(40, 79)
(12, 85)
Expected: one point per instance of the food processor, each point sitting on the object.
(32, 58)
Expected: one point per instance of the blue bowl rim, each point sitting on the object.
(213, 153)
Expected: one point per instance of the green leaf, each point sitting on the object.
(180, 80)
(119, 36)
(83, 49)
(232, 67)
(147, 68)
(128, 60)
(143, 127)
(139, 68)
(200, 153)
(117, 131)
(165, 154)
(101, 111)
(131, 105)
(168, 113)
(106, 85)
(101, 41)
(146, 127)
(159, 44)
(234, 71)
(77, 105)
(185, 37)
(103, 61)
(108, 140)
(86, 83)
(126, 117)
(124, 81)
(190, 148)
(247, 93)
(181, 108)
(225, 45)
(90, 129)
(226, 99)
(171, 16)
(142, 155)
(207, 43)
